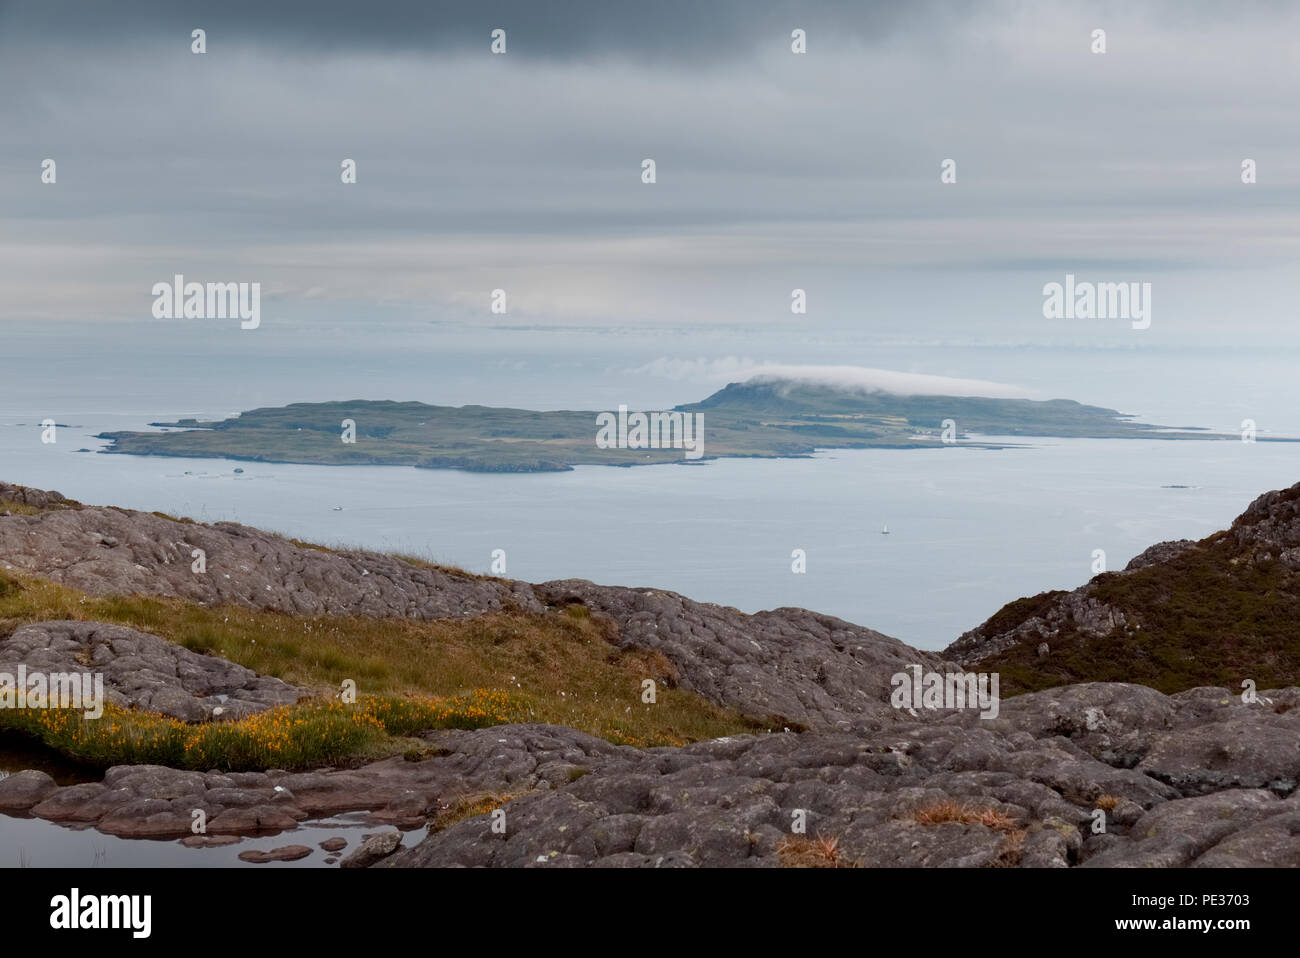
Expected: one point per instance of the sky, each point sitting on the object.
(775, 171)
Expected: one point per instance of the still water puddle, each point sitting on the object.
(27, 842)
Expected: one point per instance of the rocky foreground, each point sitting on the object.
(1195, 779)
(1091, 774)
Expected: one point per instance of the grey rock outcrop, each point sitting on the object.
(33, 498)
(1026, 788)
(1158, 553)
(22, 790)
(143, 671)
(1076, 610)
(791, 663)
(373, 850)
(108, 551)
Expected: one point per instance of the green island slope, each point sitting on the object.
(758, 419)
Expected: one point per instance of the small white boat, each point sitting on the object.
(884, 531)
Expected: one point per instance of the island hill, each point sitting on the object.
(756, 419)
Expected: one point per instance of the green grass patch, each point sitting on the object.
(308, 734)
(560, 667)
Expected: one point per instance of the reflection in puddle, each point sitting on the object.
(17, 752)
(35, 843)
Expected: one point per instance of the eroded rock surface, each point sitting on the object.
(144, 671)
(1026, 788)
(814, 669)
(1042, 771)
(109, 551)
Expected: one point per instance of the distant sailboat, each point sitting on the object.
(884, 530)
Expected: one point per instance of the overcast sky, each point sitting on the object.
(775, 170)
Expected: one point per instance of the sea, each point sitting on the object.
(968, 529)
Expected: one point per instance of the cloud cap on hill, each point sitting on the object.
(868, 380)
(860, 379)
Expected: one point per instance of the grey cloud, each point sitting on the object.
(671, 30)
(773, 169)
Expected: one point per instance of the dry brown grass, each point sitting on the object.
(1108, 802)
(452, 570)
(800, 851)
(953, 811)
(304, 544)
(462, 807)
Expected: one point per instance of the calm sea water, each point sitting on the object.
(969, 529)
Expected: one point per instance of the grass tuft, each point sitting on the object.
(468, 806)
(948, 810)
(800, 851)
(305, 735)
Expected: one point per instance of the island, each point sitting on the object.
(761, 418)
